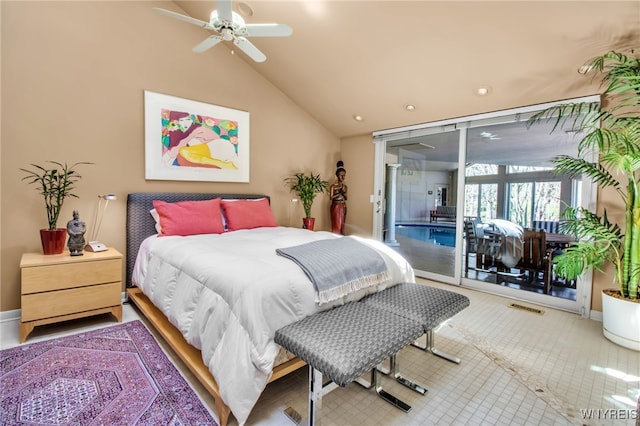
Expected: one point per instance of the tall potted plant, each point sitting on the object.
(54, 183)
(612, 130)
(307, 186)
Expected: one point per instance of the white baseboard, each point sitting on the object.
(10, 315)
(595, 315)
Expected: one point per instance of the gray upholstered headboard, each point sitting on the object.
(140, 224)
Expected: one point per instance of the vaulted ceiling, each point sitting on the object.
(371, 58)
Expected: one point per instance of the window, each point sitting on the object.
(534, 201)
(520, 203)
(546, 202)
(526, 169)
(481, 201)
(481, 170)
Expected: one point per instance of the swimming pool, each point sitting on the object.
(434, 234)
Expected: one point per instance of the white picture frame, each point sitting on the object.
(194, 141)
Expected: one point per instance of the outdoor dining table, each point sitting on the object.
(556, 241)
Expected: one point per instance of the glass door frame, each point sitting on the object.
(379, 197)
(582, 305)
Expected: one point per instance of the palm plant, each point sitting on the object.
(54, 184)
(307, 187)
(612, 130)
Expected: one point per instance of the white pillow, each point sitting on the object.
(156, 217)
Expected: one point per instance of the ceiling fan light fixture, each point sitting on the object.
(226, 34)
(228, 25)
(237, 20)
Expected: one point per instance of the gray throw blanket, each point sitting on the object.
(338, 266)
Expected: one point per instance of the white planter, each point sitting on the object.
(621, 321)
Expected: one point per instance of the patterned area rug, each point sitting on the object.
(116, 375)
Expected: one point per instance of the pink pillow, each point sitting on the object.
(189, 217)
(248, 214)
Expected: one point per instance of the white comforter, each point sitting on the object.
(229, 293)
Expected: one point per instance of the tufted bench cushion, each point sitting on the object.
(430, 306)
(345, 342)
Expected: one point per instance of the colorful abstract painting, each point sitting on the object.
(190, 140)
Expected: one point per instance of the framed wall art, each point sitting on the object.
(195, 141)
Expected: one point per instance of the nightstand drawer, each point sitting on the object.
(63, 302)
(38, 279)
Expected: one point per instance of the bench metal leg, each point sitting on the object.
(403, 380)
(383, 393)
(395, 371)
(396, 402)
(315, 396)
(317, 389)
(431, 348)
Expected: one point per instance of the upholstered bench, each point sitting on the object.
(345, 342)
(430, 306)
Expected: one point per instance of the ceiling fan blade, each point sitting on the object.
(247, 47)
(207, 43)
(268, 30)
(184, 18)
(224, 10)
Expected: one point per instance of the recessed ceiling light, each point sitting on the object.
(483, 90)
(245, 9)
(358, 118)
(410, 107)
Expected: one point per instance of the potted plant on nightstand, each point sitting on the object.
(54, 184)
(613, 130)
(307, 187)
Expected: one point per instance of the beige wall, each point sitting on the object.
(73, 77)
(358, 155)
(608, 199)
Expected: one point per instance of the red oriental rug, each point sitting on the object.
(116, 375)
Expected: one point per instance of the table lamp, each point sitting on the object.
(93, 244)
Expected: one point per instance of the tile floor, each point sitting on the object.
(517, 367)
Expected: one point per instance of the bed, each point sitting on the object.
(218, 298)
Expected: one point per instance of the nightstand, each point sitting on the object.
(62, 287)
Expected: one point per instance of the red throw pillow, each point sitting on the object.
(189, 217)
(248, 214)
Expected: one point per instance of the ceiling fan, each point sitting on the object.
(229, 26)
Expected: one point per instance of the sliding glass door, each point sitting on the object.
(513, 203)
(477, 203)
(425, 200)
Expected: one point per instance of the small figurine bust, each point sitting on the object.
(76, 229)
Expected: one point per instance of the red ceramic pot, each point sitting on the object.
(53, 240)
(308, 223)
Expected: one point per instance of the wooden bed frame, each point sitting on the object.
(140, 225)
